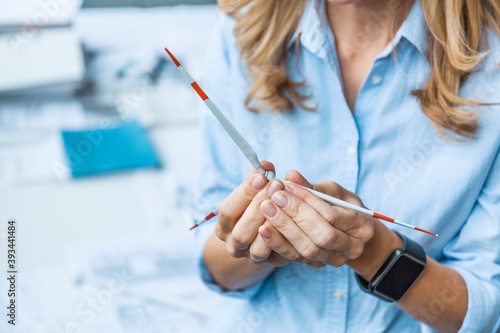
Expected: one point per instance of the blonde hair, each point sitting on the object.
(456, 34)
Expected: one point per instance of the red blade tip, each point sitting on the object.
(428, 232)
(194, 226)
(209, 216)
(173, 58)
(383, 217)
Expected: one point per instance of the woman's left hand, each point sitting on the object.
(315, 229)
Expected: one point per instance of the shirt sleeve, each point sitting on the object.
(220, 170)
(475, 254)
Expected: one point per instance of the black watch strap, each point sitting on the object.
(398, 273)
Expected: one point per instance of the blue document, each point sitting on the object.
(120, 147)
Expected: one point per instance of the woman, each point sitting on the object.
(387, 104)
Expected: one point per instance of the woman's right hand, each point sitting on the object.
(240, 217)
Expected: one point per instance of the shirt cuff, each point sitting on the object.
(483, 303)
(203, 233)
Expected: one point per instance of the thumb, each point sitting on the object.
(326, 186)
(268, 166)
(295, 177)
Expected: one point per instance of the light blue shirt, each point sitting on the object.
(387, 152)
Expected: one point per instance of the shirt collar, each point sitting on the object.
(413, 29)
(312, 25)
(313, 33)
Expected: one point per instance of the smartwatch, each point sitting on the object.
(398, 273)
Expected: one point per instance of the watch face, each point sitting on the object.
(400, 277)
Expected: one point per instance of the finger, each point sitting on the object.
(281, 246)
(318, 229)
(350, 226)
(245, 231)
(277, 259)
(325, 209)
(235, 253)
(326, 186)
(290, 230)
(235, 204)
(335, 190)
(268, 166)
(315, 264)
(275, 241)
(259, 251)
(296, 177)
(342, 219)
(358, 226)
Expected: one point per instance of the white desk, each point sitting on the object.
(56, 217)
(96, 208)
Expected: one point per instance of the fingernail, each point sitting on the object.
(269, 209)
(280, 199)
(266, 234)
(274, 187)
(258, 182)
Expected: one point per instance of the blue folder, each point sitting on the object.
(121, 147)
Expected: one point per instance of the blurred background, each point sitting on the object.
(99, 154)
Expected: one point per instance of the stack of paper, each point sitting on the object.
(36, 13)
(40, 52)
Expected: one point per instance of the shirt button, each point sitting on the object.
(352, 150)
(337, 294)
(376, 79)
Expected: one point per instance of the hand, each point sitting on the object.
(240, 218)
(315, 229)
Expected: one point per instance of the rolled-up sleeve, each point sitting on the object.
(475, 254)
(202, 237)
(220, 172)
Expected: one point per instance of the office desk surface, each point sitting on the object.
(60, 217)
